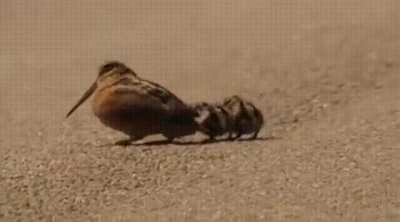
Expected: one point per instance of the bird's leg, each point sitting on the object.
(170, 139)
(255, 135)
(129, 141)
(170, 135)
(210, 138)
(230, 136)
(237, 136)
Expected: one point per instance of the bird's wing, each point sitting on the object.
(174, 102)
(153, 97)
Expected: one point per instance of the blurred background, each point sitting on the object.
(324, 73)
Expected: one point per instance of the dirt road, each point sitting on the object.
(325, 74)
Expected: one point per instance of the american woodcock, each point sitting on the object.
(235, 117)
(214, 119)
(137, 107)
(246, 117)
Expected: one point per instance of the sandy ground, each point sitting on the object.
(326, 75)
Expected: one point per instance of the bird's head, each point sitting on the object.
(108, 71)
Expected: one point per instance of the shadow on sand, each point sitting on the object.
(126, 143)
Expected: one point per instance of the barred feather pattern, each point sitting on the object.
(235, 117)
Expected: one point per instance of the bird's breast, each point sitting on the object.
(127, 111)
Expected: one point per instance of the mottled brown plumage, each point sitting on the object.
(246, 117)
(234, 116)
(214, 119)
(137, 107)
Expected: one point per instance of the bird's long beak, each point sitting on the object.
(84, 97)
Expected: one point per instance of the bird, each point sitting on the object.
(235, 116)
(137, 107)
(247, 118)
(214, 119)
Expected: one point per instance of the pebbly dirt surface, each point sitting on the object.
(325, 74)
